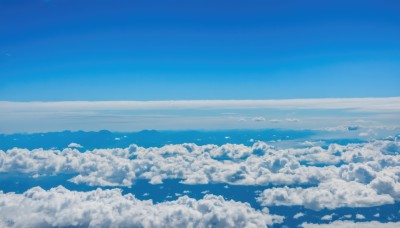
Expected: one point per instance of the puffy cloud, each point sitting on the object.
(354, 175)
(59, 207)
(370, 132)
(351, 224)
(391, 148)
(259, 164)
(369, 176)
(327, 217)
(332, 194)
(74, 145)
(298, 215)
(372, 169)
(387, 182)
(360, 216)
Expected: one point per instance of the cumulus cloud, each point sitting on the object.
(360, 216)
(352, 224)
(354, 175)
(74, 145)
(59, 207)
(327, 217)
(259, 164)
(330, 195)
(298, 215)
(368, 133)
(369, 176)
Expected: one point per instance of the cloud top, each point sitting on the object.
(355, 175)
(59, 207)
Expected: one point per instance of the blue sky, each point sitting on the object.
(292, 110)
(160, 50)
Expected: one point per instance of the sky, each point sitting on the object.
(70, 50)
(214, 52)
(199, 113)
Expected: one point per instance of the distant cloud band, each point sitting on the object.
(391, 104)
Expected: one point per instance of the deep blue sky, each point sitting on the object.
(198, 49)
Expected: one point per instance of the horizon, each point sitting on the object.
(315, 114)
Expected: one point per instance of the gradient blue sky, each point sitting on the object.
(158, 50)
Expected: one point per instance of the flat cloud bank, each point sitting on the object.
(360, 104)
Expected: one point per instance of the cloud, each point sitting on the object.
(370, 132)
(354, 175)
(59, 207)
(123, 116)
(360, 216)
(274, 121)
(332, 194)
(357, 104)
(259, 164)
(351, 224)
(327, 217)
(258, 119)
(298, 215)
(74, 145)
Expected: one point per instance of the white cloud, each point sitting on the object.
(308, 144)
(327, 217)
(74, 145)
(330, 195)
(298, 215)
(347, 216)
(274, 121)
(260, 164)
(258, 119)
(59, 207)
(370, 132)
(123, 116)
(351, 224)
(359, 104)
(360, 216)
(365, 174)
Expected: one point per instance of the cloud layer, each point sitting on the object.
(356, 175)
(360, 104)
(59, 207)
(124, 116)
(352, 224)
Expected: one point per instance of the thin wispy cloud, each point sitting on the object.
(390, 104)
(198, 114)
